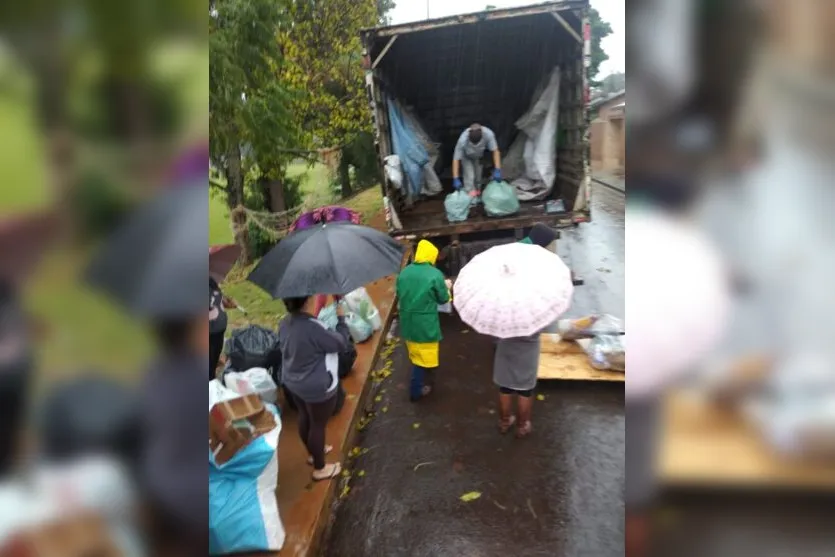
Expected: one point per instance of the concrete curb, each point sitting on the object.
(616, 187)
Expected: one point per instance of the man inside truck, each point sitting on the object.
(469, 150)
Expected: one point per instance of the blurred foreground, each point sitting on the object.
(731, 391)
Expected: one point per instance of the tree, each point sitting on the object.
(248, 103)
(384, 7)
(324, 60)
(600, 29)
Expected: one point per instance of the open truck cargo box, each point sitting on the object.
(487, 68)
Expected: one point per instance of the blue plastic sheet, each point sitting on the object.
(408, 146)
(243, 510)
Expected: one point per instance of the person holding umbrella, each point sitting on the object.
(152, 266)
(541, 235)
(310, 372)
(421, 288)
(501, 293)
(331, 258)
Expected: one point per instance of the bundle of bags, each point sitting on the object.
(600, 336)
(243, 474)
(361, 315)
(499, 199)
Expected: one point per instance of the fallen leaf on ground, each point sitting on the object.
(471, 496)
(378, 398)
(361, 473)
(415, 469)
(416, 425)
(385, 409)
(540, 397)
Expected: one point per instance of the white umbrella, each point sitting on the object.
(513, 290)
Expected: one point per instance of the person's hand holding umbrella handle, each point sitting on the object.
(340, 309)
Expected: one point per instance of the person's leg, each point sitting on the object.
(417, 388)
(215, 350)
(468, 174)
(320, 413)
(478, 170)
(304, 420)
(506, 417)
(523, 414)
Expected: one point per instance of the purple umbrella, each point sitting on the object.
(324, 215)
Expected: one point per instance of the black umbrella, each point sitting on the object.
(155, 264)
(334, 258)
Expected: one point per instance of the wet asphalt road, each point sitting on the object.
(559, 492)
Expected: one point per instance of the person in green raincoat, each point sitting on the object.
(421, 288)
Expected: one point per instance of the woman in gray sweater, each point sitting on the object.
(310, 371)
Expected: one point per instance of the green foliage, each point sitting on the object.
(384, 7)
(362, 156)
(248, 102)
(99, 204)
(600, 29)
(324, 55)
(260, 241)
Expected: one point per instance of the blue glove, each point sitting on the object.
(497, 174)
(456, 183)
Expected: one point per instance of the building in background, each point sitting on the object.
(608, 134)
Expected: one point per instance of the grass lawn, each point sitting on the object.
(260, 308)
(83, 331)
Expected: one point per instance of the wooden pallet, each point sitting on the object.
(702, 445)
(564, 360)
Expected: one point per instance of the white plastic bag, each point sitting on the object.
(360, 303)
(394, 171)
(359, 328)
(256, 380)
(445, 308)
(606, 352)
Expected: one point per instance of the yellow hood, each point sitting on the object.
(426, 252)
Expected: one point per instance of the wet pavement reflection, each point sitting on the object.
(559, 492)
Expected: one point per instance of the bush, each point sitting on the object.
(98, 204)
(260, 241)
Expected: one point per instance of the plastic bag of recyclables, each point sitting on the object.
(243, 509)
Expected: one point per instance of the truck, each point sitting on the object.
(485, 68)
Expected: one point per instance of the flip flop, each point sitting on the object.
(328, 449)
(506, 424)
(524, 430)
(336, 469)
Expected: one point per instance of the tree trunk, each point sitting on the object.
(345, 176)
(273, 191)
(235, 200)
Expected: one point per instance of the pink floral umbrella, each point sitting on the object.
(513, 290)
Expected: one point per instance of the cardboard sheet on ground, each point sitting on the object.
(701, 445)
(567, 361)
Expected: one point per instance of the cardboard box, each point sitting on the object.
(74, 536)
(234, 423)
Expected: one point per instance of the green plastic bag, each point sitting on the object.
(457, 205)
(499, 199)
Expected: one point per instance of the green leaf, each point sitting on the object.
(470, 496)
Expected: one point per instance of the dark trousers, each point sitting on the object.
(215, 350)
(313, 419)
(418, 380)
(14, 392)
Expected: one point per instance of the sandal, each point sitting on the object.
(328, 449)
(506, 423)
(524, 430)
(328, 472)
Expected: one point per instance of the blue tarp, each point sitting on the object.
(408, 146)
(243, 510)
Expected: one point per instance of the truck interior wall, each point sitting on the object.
(488, 72)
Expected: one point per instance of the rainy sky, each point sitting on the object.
(610, 10)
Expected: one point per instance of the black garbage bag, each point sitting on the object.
(250, 347)
(91, 413)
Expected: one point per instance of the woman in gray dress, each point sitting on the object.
(516, 363)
